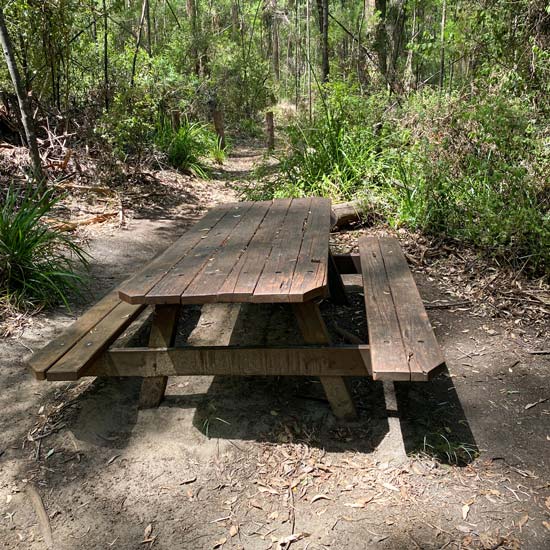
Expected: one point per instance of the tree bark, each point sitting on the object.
(325, 63)
(269, 131)
(22, 98)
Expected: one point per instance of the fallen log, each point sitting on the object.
(347, 213)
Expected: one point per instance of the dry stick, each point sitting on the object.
(41, 514)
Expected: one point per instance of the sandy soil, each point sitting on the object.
(261, 463)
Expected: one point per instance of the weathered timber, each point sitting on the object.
(314, 331)
(163, 333)
(346, 213)
(323, 361)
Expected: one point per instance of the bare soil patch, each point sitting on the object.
(260, 463)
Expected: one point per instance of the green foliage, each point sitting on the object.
(38, 265)
(468, 167)
(187, 146)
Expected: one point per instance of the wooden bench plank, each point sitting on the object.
(240, 283)
(276, 279)
(329, 361)
(205, 286)
(94, 342)
(41, 360)
(311, 271)
(171, 287)
(135, 289)
(388, 355)
(423, 351)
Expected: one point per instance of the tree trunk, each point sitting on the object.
(325, 64)
(269, 131)
(442, 51)
(105, 56)
(22, 98)
(217, 117)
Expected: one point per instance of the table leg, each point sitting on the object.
(335, 284)
(163, 334)
(314, 331)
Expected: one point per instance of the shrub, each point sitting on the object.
(38, 265)
(471, 167)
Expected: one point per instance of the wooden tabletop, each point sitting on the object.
(269, 251)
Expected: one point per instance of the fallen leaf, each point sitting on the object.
(274, 515)
(521, 523)
(50, 453)
(220, 543)
(284, 542)
(391, 487)
(255, 504)
(148, 531)
(547, 502)
(233, 530)
(320, 497)
(465, 511)
(360, 503)
(546, 524)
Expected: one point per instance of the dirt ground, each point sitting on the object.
(259, 463)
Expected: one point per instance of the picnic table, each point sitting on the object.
(256, 252)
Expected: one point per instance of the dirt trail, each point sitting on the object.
(261, 463)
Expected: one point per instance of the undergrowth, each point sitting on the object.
(39, 266)
(472, 166)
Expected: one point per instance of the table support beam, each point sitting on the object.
(314, 331)
(163, 334)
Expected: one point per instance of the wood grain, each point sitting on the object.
(234, 361)
(136, 288)
(169, 289)
(423, 351)
(94, 342)
(43, 359)
(388, 354)
(163, 333)
(241, 281)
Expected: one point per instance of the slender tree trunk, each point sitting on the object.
(138, 43)
(22, 98)
(442, 51)
(325, 64)
(148, 22)
(275, 30)
(105, 56)
(380, 40)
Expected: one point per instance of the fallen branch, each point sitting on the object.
(62, 226)
(41, 514)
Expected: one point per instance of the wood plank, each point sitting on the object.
(336, 284)
(204, 288)
(314, 331)
(310, 278)
(347, 263)
(170, 288)
(94, 342)
(388, 356)
(233, 361)
(44, 358)
(135, 289)
(423, 351)
(240, 284)
(276, 279)
(163, 333)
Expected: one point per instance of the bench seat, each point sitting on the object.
(402, 342)
(67, 356)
